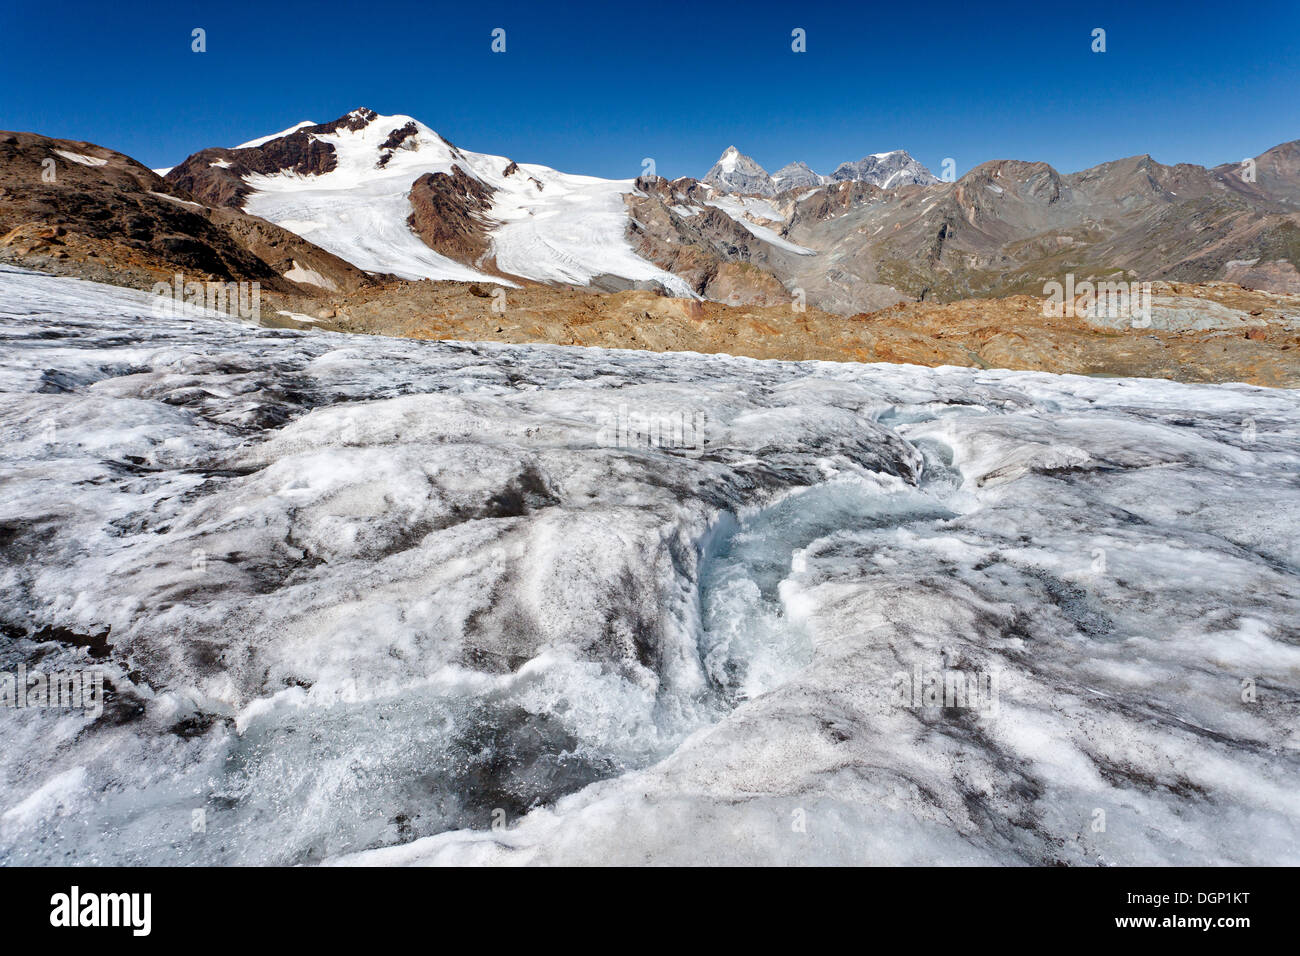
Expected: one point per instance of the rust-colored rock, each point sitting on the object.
(449, 213)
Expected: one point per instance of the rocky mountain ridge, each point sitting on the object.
(342, 204)
(734, 172)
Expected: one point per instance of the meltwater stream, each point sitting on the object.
(297, 781)
(373, 654)
(752, 639)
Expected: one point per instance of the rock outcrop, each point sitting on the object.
(80, 209)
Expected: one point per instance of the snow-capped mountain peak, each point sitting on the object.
(390, 195)
(262, 140)
(734, 172)
(796, 175)
(886, 170)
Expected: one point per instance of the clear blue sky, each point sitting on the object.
(594, 88)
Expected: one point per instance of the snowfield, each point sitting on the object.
(368, 600)
(742, 207)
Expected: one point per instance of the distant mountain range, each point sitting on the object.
(736, 172)
(367, 198)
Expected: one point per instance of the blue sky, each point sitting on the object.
(595, 88)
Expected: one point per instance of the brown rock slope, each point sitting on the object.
(78, 209)
(1007, 227)
(449, 213)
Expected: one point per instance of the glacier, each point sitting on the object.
(547, 226)
(381, 601)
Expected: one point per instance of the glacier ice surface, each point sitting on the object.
(361, 599)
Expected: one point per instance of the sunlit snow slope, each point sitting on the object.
(547, 226)
(359, 599)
